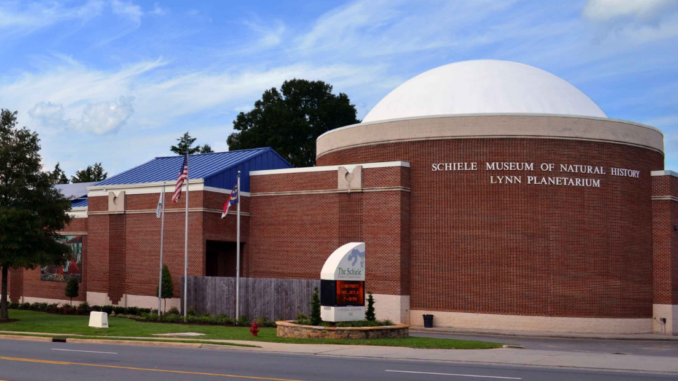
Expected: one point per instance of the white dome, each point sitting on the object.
(484, 87)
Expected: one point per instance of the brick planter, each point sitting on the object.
(289, 329)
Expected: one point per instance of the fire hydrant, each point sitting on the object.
(254, 329)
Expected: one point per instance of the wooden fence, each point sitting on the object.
(272, 298)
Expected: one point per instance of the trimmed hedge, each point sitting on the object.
(82, 309)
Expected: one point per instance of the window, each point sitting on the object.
(71, 268)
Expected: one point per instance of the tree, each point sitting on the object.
(58, 175)
(290, 121)
(315, 308)
(90, 174)
(369, 314)
(72, 289)
(31, 210)
(167, 286)
(185, 145)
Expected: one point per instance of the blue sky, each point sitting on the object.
(117, 82)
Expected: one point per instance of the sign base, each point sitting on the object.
(335, 314)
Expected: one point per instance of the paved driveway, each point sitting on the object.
(621, 347)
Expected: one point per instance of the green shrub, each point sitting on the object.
(39, 306)
(243, 320)
(107, 309)
(315, 308)
(25, 306)
(167, 285)
(173, 311)
(95, 308)
(192, 312)
(369, 314)
(262, 321)
(84, 308)
(132, 311)
(14, 305)
(119, 310)
(72, 289)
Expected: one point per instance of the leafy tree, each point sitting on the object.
(167, 285)
(31, 210)
(369, 313)
(72, 288)
(58, 175)
(290, 121)
(315, 308)
(91, 173)
(185, 145)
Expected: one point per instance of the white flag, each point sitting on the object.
(158, 210)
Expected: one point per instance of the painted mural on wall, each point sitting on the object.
(71, 268)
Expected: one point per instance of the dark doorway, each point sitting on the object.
(221, 259)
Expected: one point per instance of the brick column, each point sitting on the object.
(116, 257)
(665, 251)
(16, 285)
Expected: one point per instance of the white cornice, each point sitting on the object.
(154, 187)
(348, 167)
(664, 173)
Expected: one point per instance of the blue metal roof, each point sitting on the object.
(79, 202)
(218, 169)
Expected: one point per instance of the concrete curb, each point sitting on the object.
(544, 335)
(167, 344)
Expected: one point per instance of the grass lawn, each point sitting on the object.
(31, 321)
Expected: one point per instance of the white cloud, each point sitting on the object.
(48, 114)
(158, 10)
(127, 10)
(646, 11)
(105, 117)
(99, 118)
(383, 27)
(268, 35)
(36, 15)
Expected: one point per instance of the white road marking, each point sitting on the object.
(75, 350)
(453, 374)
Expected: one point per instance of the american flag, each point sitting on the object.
(183, 176)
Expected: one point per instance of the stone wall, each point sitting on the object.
(289, 329)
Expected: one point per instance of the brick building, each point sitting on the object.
(490, 194)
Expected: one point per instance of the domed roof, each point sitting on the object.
(484, 87)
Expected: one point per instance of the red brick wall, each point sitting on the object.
(32, 286)
(121, 253)
(292, 235)
(665, 216)
(525, 249)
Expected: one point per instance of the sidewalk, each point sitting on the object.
(491, 332)
(505, 356)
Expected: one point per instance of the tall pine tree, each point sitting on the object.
(31, 210)
(92, 173)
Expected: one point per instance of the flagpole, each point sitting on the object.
(162, 241)
(237, 248)
(186, 244)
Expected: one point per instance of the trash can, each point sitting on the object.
(428, 321)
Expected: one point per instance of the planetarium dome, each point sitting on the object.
(484, 87)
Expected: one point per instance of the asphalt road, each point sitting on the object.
(36, 361)
(620, 347)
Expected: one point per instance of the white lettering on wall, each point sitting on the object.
(454, 167)
(544, 167)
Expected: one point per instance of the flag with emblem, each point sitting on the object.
(234, 199)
